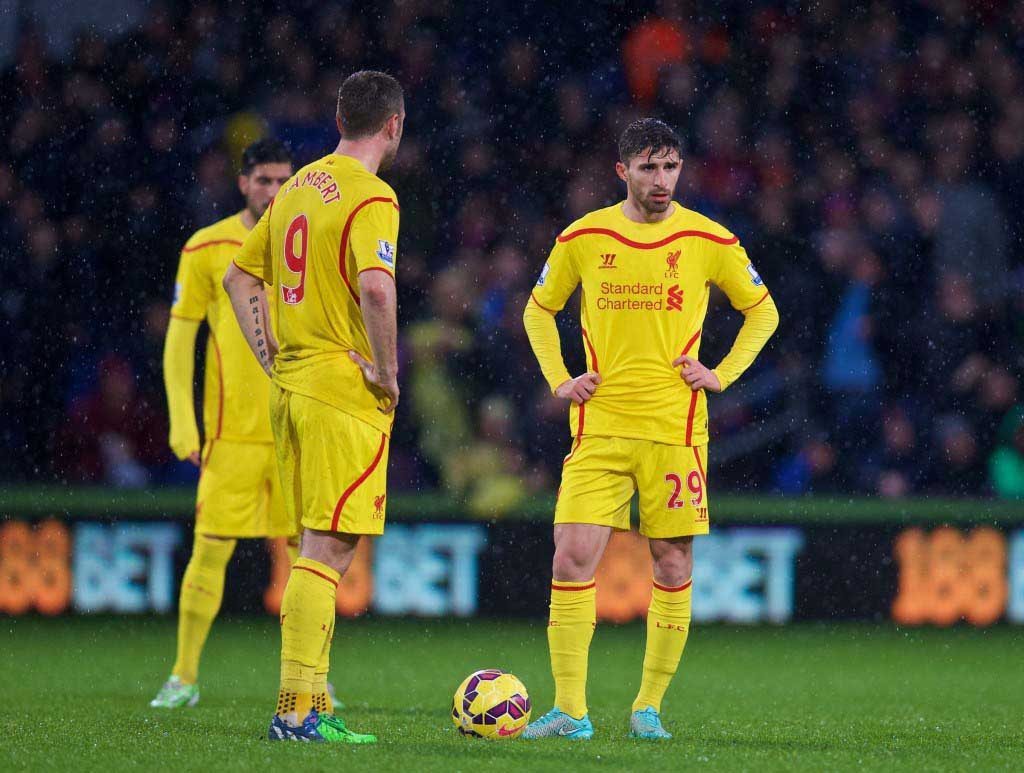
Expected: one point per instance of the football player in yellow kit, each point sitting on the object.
(239, 494)
(638, 416)
(327, 248)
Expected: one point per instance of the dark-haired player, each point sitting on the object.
(239, 492)
(639, 414)
(327, 245)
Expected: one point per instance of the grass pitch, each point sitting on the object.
(75, 695)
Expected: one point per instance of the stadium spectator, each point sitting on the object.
(869, 160)
(111, 435)
(1006, 465)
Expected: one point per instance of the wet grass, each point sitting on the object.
(75, 693)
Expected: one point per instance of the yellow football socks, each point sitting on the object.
(307, 623)
(321, 698)
(668, 624)
(570, 629)
(202, 589)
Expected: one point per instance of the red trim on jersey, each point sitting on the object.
(700, 468)
(576, 444)
(358, 481)
(213, 243)
(690, 415)
(675, 589)
(534, 298)
(756, 304)
(182, 316)
(647, 245)
(588, 586)
(248, 272)
(579, 432)
(376, 268)
(344, 240)
(220, 384)
(690, 343)
(590, 348)
(331, 580)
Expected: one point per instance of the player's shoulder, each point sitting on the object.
(228, 231)
(702, 225)
(366, 186)
(596, 221)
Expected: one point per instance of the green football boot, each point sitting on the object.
(174, 695)
(317, 728)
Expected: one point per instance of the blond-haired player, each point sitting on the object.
(239, 494)
(639, 415)
(327, 247)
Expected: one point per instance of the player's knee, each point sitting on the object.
(673, 561)
(572, 564)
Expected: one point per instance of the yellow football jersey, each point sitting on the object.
(329, 223)
(236, 392)
(644, 297)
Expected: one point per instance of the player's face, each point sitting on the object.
(262, 184)
(394, 126)
(651, 178)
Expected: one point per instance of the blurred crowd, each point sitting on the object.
(871, 160)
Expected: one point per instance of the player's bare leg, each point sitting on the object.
(578, 550)
(304, 708)
(668, 624)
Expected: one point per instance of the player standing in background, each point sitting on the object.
(239, 493)
(639, 415)
(327, 245)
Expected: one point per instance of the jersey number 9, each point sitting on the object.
(295, 259)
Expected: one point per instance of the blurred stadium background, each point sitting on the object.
(869, 467)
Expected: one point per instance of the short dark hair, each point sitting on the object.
(265, 151)
(365, 101)
(647, 133)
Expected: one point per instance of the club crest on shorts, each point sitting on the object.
(386, 253)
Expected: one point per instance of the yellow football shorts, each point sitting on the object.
(239, 492)
(600, 475)
(333, 466)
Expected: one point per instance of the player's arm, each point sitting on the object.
(733, 272)
(179, 370)
(379, 305)
(244, 283)
(374, 241)
(556, 283)
(192, 294)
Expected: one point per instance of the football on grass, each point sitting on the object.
(491, 704)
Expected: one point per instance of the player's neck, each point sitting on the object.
(640, 215)
(247, 219)
(364, 152)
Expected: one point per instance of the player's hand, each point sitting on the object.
(579, 389)
(186, 447)
(696, 375)
(386, 384)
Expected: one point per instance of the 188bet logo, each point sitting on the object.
(491, 704)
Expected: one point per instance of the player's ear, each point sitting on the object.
(243, 184)
(620, 170)
(337, 122)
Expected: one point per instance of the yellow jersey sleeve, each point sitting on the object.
(193, 292)
(558, 279)
(733, 273)
(374, 237)
(255, 257)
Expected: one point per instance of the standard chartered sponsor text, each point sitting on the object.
(637, 296)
